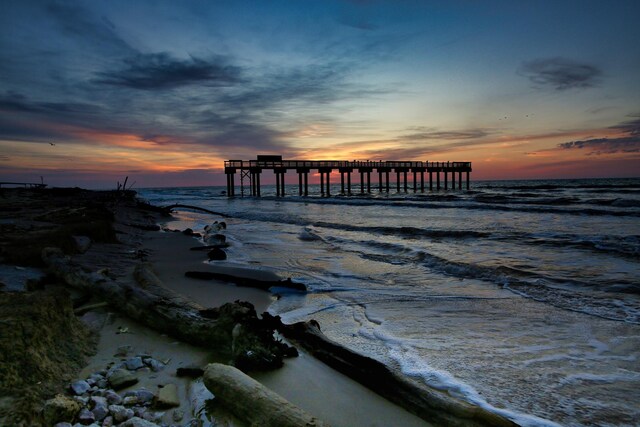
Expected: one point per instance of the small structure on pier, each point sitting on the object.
(251, 170)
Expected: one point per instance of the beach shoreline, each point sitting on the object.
(135, 265)
(307, 382)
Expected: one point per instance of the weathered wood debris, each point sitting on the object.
(233, 329)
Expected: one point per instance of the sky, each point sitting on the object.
(164, 91)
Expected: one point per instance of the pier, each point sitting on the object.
(251, 170)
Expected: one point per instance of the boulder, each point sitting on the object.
(112, 397)
(134, 363)
(168, 396)
(237, 391)
(80, 387)
(121, 378)
(86, 417)
(120, 413)
(60, 409)
(154, 364)
(217, 254)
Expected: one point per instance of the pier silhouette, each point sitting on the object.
(251, 170)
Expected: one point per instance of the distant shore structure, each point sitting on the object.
(252, 169)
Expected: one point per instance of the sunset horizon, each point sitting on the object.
(164, 93)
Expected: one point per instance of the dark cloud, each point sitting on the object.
(84, 26)
(11, 102)
(561, 74)
(632, 127)
(432, 134)
(160, 71)
(599, 146)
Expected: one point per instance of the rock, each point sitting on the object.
(145, 397)
(80, 387)
(108, 421)
(217, 254)
(112, 397)
(130, 400)
(123, 351)
(168, 396)
(103, 383)
(60, 409)
(215, 239)
(178, 415)
(120, 413)
(86, 417)
(100, 412)
(134, 363)
(190, 371)
(187, 232)
(139, 411)
(83, 243)
(154, 364)
(138, 422)
(82, 400)
(63, 425)
(97, 400)
(120, 379)
(154, 417)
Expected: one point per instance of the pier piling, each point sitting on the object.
(252, 169)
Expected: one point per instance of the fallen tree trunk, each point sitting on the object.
(429, 404)
(150, 303)
(246, 281)
(196, 208)
(252, 402)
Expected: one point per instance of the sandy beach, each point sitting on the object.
(305, 381)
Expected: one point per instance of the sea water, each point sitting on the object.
(520, 296)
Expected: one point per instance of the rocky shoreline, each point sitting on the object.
(92, 246)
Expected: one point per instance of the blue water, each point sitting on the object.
(520, 296)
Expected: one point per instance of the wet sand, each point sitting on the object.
(304, 380)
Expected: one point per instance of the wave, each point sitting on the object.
(462, 204)
(529, 284)
(624, 246)
(406, 232)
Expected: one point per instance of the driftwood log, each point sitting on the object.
(246, 281)
(233, 329)
(252, 402)
(195, 208)
(429, 404)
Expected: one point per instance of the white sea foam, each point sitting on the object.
(414, 366)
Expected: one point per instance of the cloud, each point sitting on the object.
(84, 26)
(561, 74)
(632, 127)
(433, 134)
(160, 71)
(599, 146)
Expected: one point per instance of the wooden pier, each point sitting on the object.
(252, 169)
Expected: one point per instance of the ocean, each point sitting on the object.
(520, 296)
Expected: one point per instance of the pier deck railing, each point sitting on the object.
(316, 164)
